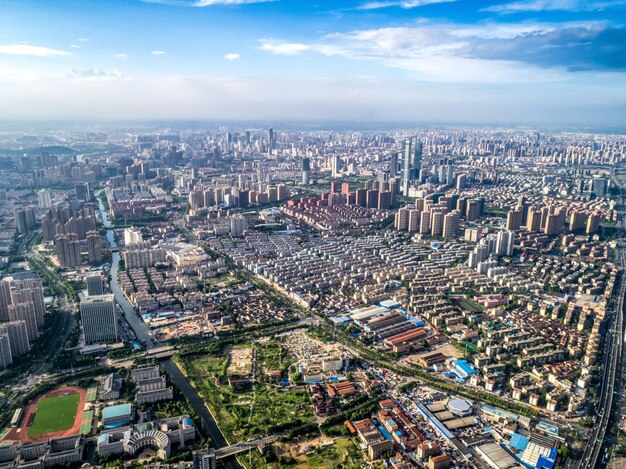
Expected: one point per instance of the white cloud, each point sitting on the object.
(402, 4)
(83, 39)
(74, 46)
(206, 3)
(158, 52)
(232, 56)
(94, 74)
(555, 5)
(121, 56)
(283, 48)
(27, 49)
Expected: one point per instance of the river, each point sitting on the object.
(142, 331)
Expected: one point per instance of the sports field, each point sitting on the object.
(54, 414)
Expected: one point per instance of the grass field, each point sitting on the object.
(243, 414)
(54, 414)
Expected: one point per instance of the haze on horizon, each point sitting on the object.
(528, 62)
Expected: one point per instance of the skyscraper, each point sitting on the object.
(306, 170)
(68, 250)
(98, 318)
(6, 358)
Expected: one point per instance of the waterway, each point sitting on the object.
(142, 331)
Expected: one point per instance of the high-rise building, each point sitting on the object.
(533, 221)
(6, 357)
(451, 225)
(384, 200)
(335, 166)
(45, 199)
(372, 199)
(95, 285)
(25, 312)
(5, 300)
(402, 219)
(436, 223)
(407, 166)
(514, 220)
(26, 289)
(94, 247)
(593, 224)
(68, 250)
(18, 337)
(132, 236)
(82, 192)
(425, 222)
(21, 221)
(505, 241)
(306, 170)
(414, 220)
(97, 314)
(393, 165)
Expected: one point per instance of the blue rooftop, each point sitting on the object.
(518, 442)
(117, 411)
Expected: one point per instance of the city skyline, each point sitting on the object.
(556, 63)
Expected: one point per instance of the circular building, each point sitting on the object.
(459, 407)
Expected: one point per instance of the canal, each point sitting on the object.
(142, 331)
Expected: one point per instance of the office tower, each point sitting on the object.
(45, 199)
(335, 166)
(436, 223)
(505, 241)
(98, 318)
(451, 225)
(68, 250)
(6, 357)
(204, 459)
(18, 337)
(393, 165)
(94, 247)
(372, 199)
(593, 224)
(29, 290)
(514, 219)
(306, 170)
(414, 220)
(95, 285)
(425, 222)
(533, 222)
(5, 300)
(384, 200)
(272, 139)
(25, 312)
(407, 168)
(402, 219)
(82, 192)
(132, 236)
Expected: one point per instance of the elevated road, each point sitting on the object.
(611, 360)
(232, 450)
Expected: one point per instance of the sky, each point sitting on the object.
(557, 63)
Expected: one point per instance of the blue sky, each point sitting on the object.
(530, 62)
